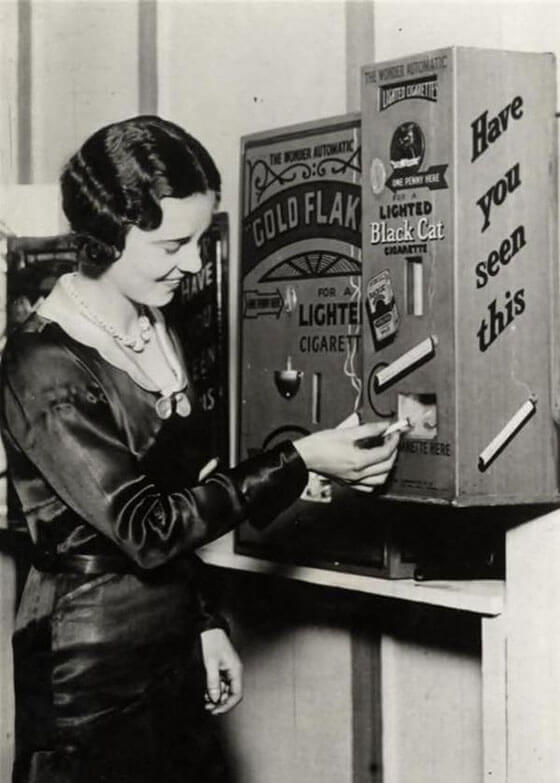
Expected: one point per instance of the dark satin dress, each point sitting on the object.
(108, 672)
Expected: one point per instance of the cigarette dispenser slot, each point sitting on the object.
(421, 412)
(288, 380)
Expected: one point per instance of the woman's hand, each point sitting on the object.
(224, 684)
(357, 455)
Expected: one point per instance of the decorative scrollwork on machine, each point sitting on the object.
(339, 165)
(262, 177)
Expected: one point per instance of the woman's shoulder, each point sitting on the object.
(32, 335)
(36, 350)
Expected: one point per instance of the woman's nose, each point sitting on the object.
(189, 260)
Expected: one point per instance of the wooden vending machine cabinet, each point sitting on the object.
(300, 330)
(460, 284)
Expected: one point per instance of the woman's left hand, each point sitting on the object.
(224, 681)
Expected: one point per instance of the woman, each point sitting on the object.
(120, 661)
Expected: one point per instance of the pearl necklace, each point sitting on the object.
(136, 341)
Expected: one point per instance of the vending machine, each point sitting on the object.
(460, 272)
(300, 334)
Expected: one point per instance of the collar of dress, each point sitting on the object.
(61, 308)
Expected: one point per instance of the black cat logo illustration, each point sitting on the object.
(407, 147)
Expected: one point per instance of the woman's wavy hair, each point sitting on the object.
(118, 178)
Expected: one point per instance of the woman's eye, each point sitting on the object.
(171, 249)
(172, 246)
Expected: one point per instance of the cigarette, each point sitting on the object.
(402, 425)
(208, 468)
(404, 364)
(507, 433)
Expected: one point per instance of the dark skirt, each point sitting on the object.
(110, 685)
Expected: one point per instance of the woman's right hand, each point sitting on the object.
(357, 455)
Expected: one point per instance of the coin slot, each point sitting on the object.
(316, 398)
(415, 286)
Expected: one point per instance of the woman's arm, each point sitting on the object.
(72, 438)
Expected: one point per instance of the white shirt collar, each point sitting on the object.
(60, 307)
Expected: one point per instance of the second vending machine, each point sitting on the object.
(300, 329)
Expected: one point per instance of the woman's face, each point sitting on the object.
(153, 263)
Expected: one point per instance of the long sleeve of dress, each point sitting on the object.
(55, 415)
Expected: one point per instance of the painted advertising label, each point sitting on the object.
(381, 308)
(301, 265)
(425, 88)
